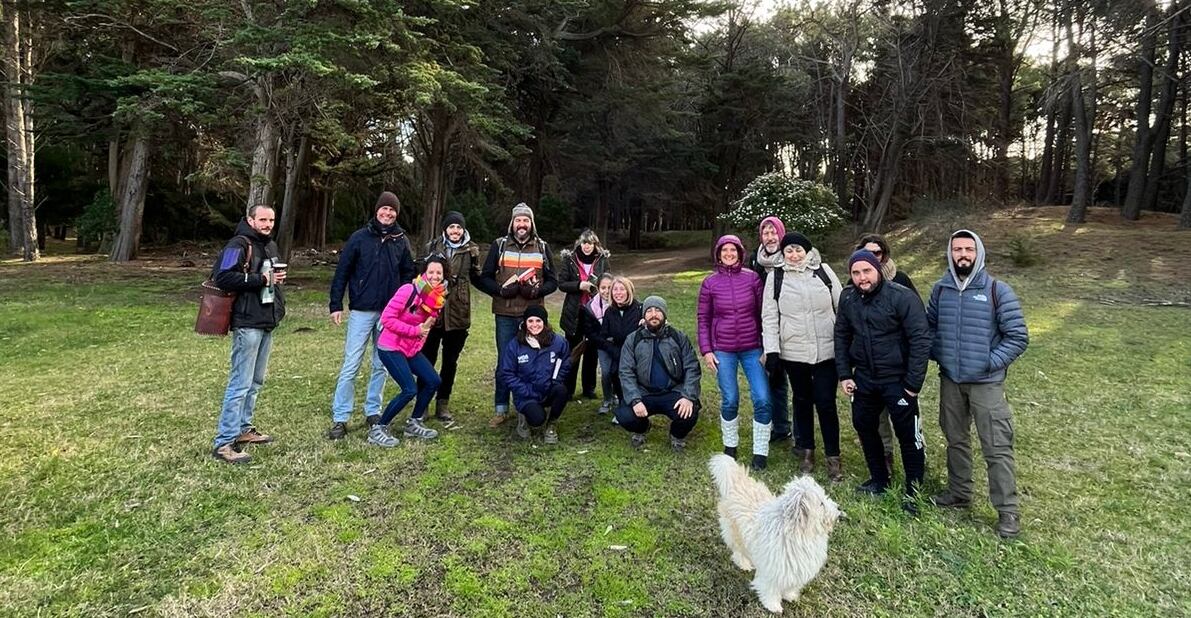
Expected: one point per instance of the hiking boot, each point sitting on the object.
(637, 440)
(730, 451)
(442, 412)
(372, 420)
(807, 455)
(230, 455)
(498, 419)
(605, 407)
(338, 431)
(872, 488)
(414, 428)
(835, 469)
(1008, 525)
(889, 463)
(252, 436)
(949, 500)
(550, 436)
(379, 435)
(760, 462)
(778, 437)
(677, 445)
(522, 428)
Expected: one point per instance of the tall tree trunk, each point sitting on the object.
(1185, 218)
(1131, 209)
(22, 222)
(443, 126)
(601, 216)
(295, 170)
(264, 157)
(1084, 112)
(132, 200)
(1042, 189)
(1162, 121)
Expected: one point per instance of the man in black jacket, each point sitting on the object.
(245, 266)
(882, 345)
(375, 261)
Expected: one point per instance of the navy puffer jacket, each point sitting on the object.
(978, 330)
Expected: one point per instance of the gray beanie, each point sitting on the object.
(657, 302)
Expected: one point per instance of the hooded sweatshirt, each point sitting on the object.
(977, 322)
(729, 305)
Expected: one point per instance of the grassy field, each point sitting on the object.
(110, 503)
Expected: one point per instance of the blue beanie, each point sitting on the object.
(864, 255)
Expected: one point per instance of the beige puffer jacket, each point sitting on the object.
(800, 325)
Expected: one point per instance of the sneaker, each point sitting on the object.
(372, 419)
(949, 500)
(442, 412)
(730, 451)
(414, 428)
(677, 445)
(338, 431)
(910, 506)
(252, 436)
(760, 462)
(1008, 525)
(522, 427)
(551, 434)
(872, 488)
(379, 435)
(605, 407)
(637, 440)
(229, 454)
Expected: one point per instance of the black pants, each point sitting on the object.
(452, 347)
(535, 411)
(587, 366)
(868, 402)
(658, 404)
(814, 387)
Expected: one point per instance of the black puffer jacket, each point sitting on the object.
(230, 275)
(882, 337)
(618, 324)
(568, 283)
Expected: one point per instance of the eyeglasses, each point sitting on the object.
(877, 253)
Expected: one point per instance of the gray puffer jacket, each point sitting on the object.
(636, 361)
(977, 323)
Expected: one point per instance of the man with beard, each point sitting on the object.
(375, 261)
(245, 266)
(979, 330)
(659, 374)
(518, 272)
(882, 345)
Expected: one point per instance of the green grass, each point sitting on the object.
(111, 503)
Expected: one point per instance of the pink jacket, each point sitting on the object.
(400, 321)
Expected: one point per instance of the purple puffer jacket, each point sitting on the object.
(730, 305)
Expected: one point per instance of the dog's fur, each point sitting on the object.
(784, 538)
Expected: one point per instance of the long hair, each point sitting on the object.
(590, 236)
(628, 285)
(880, 242)
(545, 338)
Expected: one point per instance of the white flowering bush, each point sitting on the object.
(804, 206)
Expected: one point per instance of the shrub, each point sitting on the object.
(98, 218)
(1022, 251)
(555, 221)
(805, 206)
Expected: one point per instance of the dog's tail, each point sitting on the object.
(726, 473)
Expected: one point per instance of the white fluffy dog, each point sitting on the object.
(784, 538)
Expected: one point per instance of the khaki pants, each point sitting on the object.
(959, 404)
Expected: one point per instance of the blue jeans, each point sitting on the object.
(407, 372)
(361, 327)
(506, 329)
(606, 373)
(250, 358)
(754, 372)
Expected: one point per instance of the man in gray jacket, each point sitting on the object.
(659, 374)
(978, 330)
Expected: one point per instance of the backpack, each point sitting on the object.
(819, 272)
(215, 305)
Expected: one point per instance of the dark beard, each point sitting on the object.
(962, 271)
(654, 329)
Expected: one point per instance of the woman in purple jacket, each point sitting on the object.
(730, 338)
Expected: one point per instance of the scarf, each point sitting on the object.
(889, 269)
(769, 260)
(587, 258)
(808, 264)
(430, 298)
(533, 342)
(452, 247)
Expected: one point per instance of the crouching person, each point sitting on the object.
(535, 367)
(659, 374)
(406, 322)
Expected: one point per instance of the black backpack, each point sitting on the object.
(819, 272)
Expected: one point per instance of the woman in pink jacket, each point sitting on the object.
(404, 323)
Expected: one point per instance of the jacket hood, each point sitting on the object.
(777, 225)
(463, 241)
(243, 229)
(812, 261)
(728, 239)
(977, 266)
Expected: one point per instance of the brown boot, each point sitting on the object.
(229, 454)
(442, 412)
(835, 469)
(497, 420)
(807, 455)
(252, 436)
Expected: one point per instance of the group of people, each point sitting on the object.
(779, 315)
